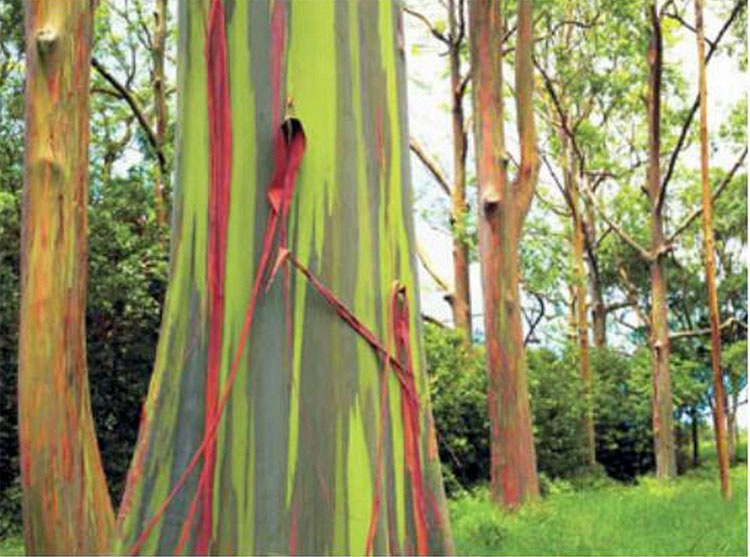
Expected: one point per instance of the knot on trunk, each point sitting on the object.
(46, 39)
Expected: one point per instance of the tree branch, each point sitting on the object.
(643, 252)
(717, 192)
(128, 97)
(707, 331)
(429, 267)
(431, 165)
(435, 33)
(739, 5)
(533, 324)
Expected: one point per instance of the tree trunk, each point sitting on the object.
(720, 419)
(66, 506)
(664, 449)
(502, 209)
(459, 210)
(695, 435)
(160, 109)
(299, 442)
(582, 316)
(732, 433)
(599, 308)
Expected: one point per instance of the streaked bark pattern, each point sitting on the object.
(296, 450)
(66, 507)
(502, 208)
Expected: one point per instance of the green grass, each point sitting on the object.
(12, 545)
(683, 517)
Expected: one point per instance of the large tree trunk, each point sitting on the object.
(720, 418)
(461, 303)
(502, 209)
(66, 506)
(664, 448)
(306, 460)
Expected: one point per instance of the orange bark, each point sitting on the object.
(66, 506)
(720, 418)
(502, 210)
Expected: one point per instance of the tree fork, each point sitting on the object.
(502, 208)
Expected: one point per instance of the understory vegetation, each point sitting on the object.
(686, 516)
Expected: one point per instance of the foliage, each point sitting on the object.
(458, 391)
(622, 392)
(622, 411)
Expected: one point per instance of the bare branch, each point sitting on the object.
(739, 5)
(643, 252)
(434, 320)
(431, 165)
(429, 267)
(430, 27)
(128, 97)
(707, 331)
(717, 192)
(533, 324)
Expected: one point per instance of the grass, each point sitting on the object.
(686, 516)
(12, 545)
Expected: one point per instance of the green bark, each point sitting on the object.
(295, 467)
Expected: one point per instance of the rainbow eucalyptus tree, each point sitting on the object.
(503, 206)
(271, 424)
(66, 507)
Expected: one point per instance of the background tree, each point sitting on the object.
(502, 208)
(720, 424)
(454, 40)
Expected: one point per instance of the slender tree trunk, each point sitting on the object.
(599, 309)
(695, 436)
(720, 419)
(66, 506)
(732, 432)
(502, 209)
(664, 448)
(160, 109)
(459, 210)
(317, 450)
(582, 316)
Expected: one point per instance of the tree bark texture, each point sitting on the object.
(66, 506)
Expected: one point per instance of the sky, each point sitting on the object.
(429, 123)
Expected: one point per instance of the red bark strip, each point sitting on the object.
(220, 142)
(287, 167)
